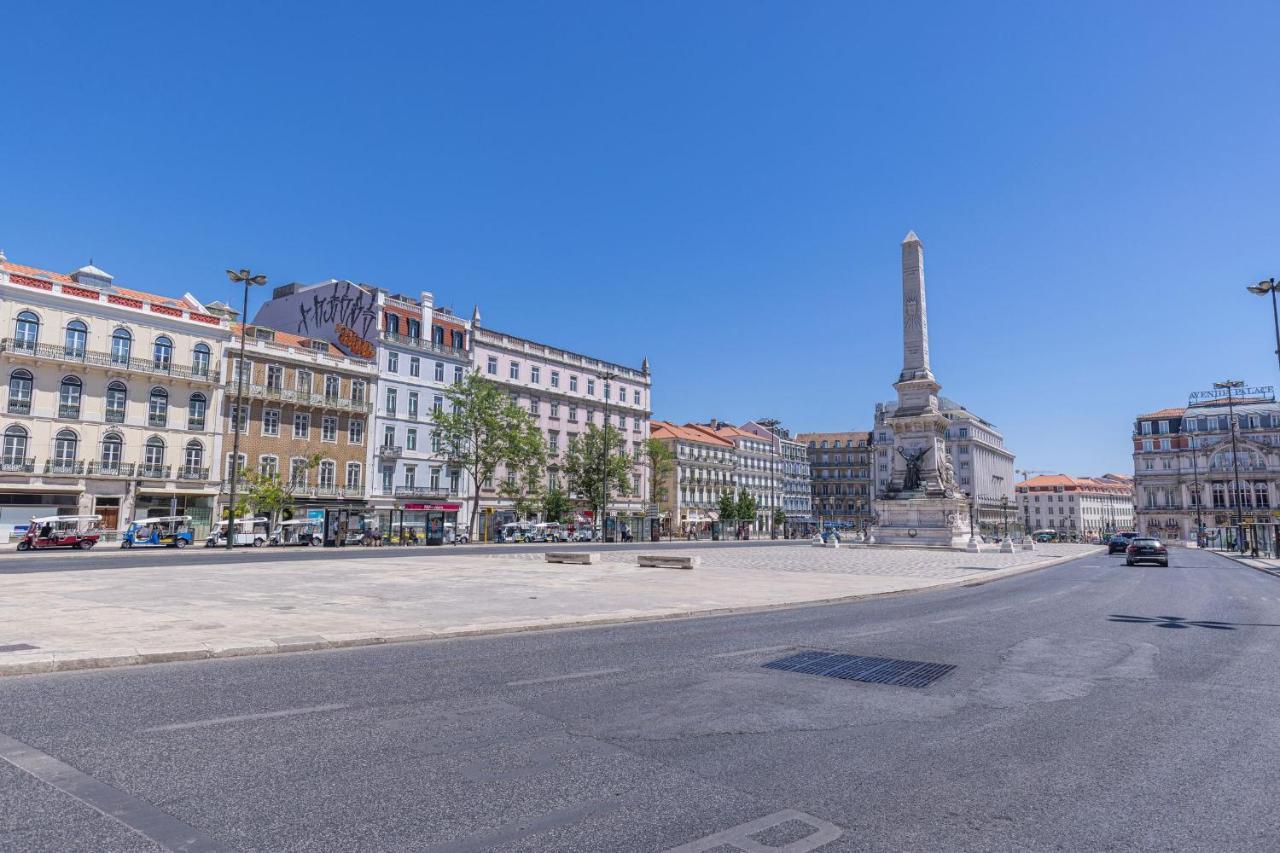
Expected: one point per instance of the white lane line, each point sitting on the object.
(739, 837)
(759, 651)
(566, 677)
(136, 814)
(948, 619)
(244, 718)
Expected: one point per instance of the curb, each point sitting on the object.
(316, 642)
(1245, 561)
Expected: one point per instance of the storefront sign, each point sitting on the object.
(1265, 392)
(315, 515)
(439, 507)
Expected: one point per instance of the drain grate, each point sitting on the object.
(18, 647)
(873, 670)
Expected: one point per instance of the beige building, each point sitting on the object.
(703, 470)
(111, 399)
(840, 476)
(303, 399)
(1076, 507)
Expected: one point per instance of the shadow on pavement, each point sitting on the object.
(1183, 622)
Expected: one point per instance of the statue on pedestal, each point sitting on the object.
(911, 479)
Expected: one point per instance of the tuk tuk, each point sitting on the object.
(249, 531)
(62, 531)
(299, 531)
(168, 531)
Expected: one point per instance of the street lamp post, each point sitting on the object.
(1269, 285)
(1195, 479)
(248, 279)
(972, 539)
(772, 424)
(604, 454)
(1230, 385)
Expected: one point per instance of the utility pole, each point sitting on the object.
(1230, 385)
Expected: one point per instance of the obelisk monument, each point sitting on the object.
(921, 505)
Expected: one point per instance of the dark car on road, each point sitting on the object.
(1119, 543)
(1145, 549)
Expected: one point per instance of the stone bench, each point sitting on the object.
(582, 558)
(667, 561)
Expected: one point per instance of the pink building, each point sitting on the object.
(566, 392)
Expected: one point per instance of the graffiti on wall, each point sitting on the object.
(353, 343)
(344, 304)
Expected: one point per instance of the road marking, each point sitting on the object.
(525, 828)
(739, 837)
(948, 619)
(759, 651)
(590, 673)
(138, 815)
(244, 718)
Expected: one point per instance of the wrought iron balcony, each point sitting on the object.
(19, 407)
(64, 466)
(154, 472)
(68, 412)
(193, 472)
(153, 367)
(301, 398)
(420, 492)
(115, 416)
(390, 451)
(17, 465)
(424, 344)
(159, 421)
(110, 469)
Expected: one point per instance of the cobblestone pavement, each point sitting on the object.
(856, 560)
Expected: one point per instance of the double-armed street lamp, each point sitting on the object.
(1197, 497)
(605, 379)
(1230, 385)
(248, 279)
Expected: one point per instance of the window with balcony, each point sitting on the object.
(354, 472)
(573, 383)
(591, 387)
(193, 461)
(16, 442)
(513, 370)
(411, 439)
(162, 353)
(20, 387)
(201, 358)
(413, 404)
(410, 476)
(69, 395)
(389, 436)
(357, 391)
(275, 377)
(269, 465)
(26, 331)
(328, 474)
(304, 381)
(112, 453)
(153, 457)
(298, 472)
(387, 475)
(391, 401)
(196, 408)
(76, 340)
(66, 448)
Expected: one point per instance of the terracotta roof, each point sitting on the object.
(1165, 413)
(855, 435)
(688, 432)
(36, 272)
(1050, 481)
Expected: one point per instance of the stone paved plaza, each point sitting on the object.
(141, 610)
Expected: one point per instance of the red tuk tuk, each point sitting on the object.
(62, 531)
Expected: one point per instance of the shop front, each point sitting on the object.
(414, 523)
(152, 505)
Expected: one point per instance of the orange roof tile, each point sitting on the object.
(688, 432)
(1165, 413)
(21, 269)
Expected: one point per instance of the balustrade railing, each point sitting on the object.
(303, 398)
(155, 367)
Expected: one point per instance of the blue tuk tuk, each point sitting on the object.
(169, 531)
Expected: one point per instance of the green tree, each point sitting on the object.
(728, 508)
(482, 429)
(268, 494)
(556, 505)
(746, 507)
(779, 518)
(590, 476)
(661, 462)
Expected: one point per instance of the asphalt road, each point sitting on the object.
(114, 557)
(1092, 707)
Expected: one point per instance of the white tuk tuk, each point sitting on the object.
(249, 531)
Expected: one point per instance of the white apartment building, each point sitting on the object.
(704, 469)
(112, 399)
(1076, 507)
(984, 467)
(566, 392)
(757, 469)
(791, 486)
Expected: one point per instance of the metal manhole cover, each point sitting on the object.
(18, 647)
(873, 670)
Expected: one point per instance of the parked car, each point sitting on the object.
(1119, 543)
(1145, 549)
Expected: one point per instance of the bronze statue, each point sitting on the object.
(911, 479)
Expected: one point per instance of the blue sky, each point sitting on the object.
(719, 186)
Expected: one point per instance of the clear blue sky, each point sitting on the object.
(719, 186)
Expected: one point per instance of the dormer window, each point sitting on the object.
(264, 334)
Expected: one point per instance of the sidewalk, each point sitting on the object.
(1263, 564)
(168, 612)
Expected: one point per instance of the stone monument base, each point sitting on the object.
(922, 522)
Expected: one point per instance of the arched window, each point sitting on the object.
(269, 465)
(69, 397)
(76, 340)
(162, 353)
(200, 358)
(66, 446)
(121, 346)
(196, 408)
(112, 453)
(193, 460)
(153, 456)
(117, 397)
(158, 408)
(353, 475)
(20, 383)
(15, 447)
(328, 474)
(26, 331)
